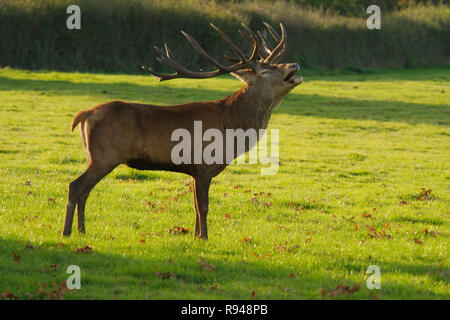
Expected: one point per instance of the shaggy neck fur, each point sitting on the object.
(248, 108)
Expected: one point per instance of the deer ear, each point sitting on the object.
(247, 76)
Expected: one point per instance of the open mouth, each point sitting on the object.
(290, 76)
(291, 79)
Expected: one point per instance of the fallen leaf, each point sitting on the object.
(267, 255)
(205, 265)
(6, 295)
(425, 194)
(343, 290)
(247, 240)
(177, 230)
(86, 249)
(430, 232)
(166, 275)
(44, 291)
(373, 296)
(368, 216)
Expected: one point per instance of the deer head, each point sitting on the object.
(259, 69)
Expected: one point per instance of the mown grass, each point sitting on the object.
(355, 152)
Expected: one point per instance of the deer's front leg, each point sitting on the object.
(201, 189)
(197, 216)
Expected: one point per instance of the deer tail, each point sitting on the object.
(81, 116)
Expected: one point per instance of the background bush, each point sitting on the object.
(118, 36)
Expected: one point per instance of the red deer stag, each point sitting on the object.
(139, 135)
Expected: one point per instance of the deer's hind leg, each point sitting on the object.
(79, 190)
(81, 204)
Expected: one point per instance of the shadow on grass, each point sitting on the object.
(353, 74)
(322, 106)
(295, 104)
(419, 220)
(161, 94)
(24, 269)
(304, 205)
(139, 176)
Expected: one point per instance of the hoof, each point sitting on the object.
(201, 237)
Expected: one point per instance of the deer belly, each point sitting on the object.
(141, 164)
(145, 164)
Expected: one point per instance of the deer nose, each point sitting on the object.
(295, 66)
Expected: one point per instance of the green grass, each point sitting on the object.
(355, 152)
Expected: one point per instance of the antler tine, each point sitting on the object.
(255, 49)
(265, 43)
(231, 59)
(280, 54)
(191, 74)
(230, 43)
(160, 76)
(254, 39)
(277, 39)
(276, 53)
(170, 62)
(203, 52)
(272, 31)
(234, 59)
(168, 52)
(181, 72)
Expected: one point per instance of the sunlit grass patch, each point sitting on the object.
(363, 180)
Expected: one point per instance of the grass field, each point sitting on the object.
(364, 180)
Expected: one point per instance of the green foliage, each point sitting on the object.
(356, 7)
(363, 180)
(118, 36)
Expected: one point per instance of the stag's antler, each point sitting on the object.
(264, 52)
(279, 51)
